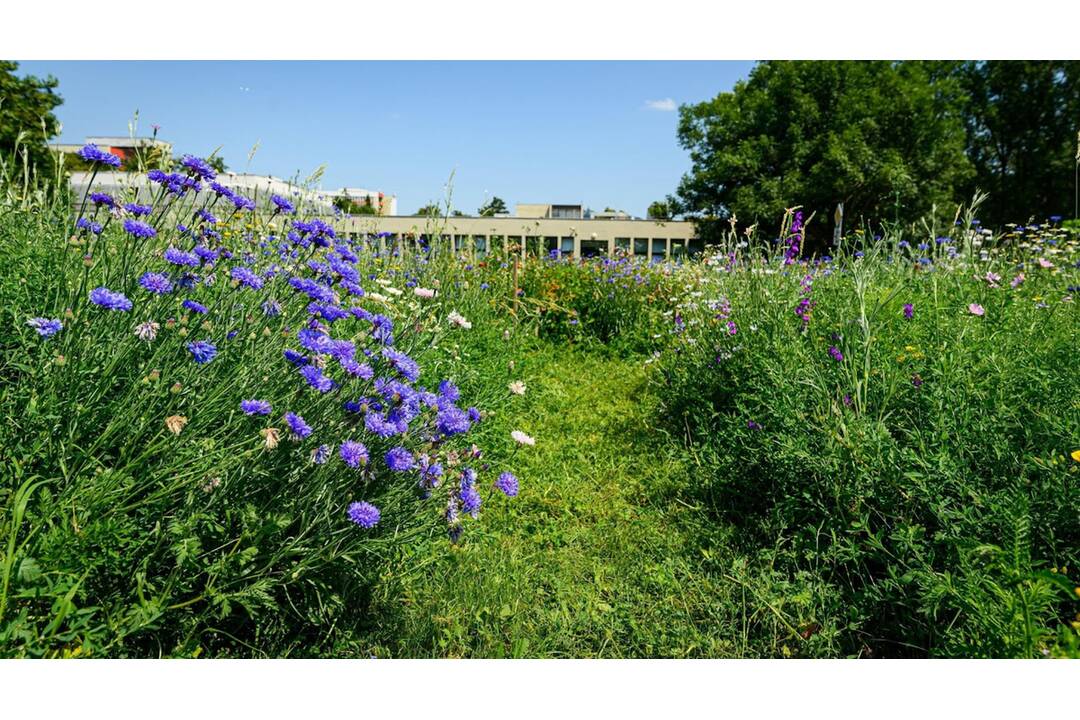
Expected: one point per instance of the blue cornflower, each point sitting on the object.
(179, 257)
(296, 423)
(255, 407)
(207, 216)
(105, 199)
(244, 276)
(282, 204)
(376, 424)
(295, 358)
(449, 391)
(354, 453)
(321, 454)
(470, 497)
(271, 308)
(198, 167)
(364, 514)
(202, 351)
(139, 210)
(835, 353)
(508, 484)
(195, 307)
(88, 224)
(45, 327)
(92, 154)
(157, 283)
(452, 421)
(314, 377)
(404, 364)
(106, 298)
(382, 329)
(138, 229)
(399, 459)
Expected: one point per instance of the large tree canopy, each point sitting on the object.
(889, 140)
(879, 137)
(1022, 119)
(26, 105)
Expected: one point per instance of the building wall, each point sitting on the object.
(536, 236)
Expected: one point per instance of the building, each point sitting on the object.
(546, 211)
(380, 202)
(477, 236)
(125, 148)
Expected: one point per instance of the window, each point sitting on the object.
(641, 246)
(566, 246)
(568, 212)
(659, 249)
(622, 244)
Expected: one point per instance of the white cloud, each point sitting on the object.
(665, 105)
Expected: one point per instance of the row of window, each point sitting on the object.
(536, 245)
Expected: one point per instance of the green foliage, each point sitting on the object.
(495, 206)
(876, 136)
(925, 481)
(1023, 135)
(26, 117)
(352, 207)
(659, 210)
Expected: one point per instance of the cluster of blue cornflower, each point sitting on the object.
(360, 391)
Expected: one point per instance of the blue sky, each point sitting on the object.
(600, 133)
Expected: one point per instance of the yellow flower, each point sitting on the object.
(1076, 455)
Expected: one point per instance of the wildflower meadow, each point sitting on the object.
(231, 430)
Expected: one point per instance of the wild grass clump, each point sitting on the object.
(219, 426)
(893, 433)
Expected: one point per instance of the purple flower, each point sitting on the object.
(195, 307)
(198, 167)
(451, 420)
(364, 514)
(399, 459)
(314, 377)
(508, 484)
(916, 380)
(45, 327)
(138, 210)
(909, 311)
(245, 277)
(404, 364)
(255, 407)
(157, 283)
(87, 224)
(102, 199)
(202, 351)
(138, 229)
(354, 453)
(835, 354)
(179, 257)
(321, 454)
(282, 204)
(92, 154)
(106, 298)
(296, 423)
(751, 425)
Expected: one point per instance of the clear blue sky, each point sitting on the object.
(525, 131)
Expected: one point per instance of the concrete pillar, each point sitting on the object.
(577, 247)
(667, 249)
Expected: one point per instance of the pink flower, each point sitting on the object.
(976, 309)
(426, 293)
(1044, 263)
(1017, 280)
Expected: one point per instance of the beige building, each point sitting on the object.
(477, 236)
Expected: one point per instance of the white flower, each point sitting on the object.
(426, 293)
(523, 438)
(458, 319)
(393, 291)
(147, 331)
(377, 297)
(517, 387)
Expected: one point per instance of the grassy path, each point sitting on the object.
(593, 558)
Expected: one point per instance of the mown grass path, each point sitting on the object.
(593, 558)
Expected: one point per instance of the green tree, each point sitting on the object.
(1021, 119)
(495, 206)
(659, 210)
(884, 138)
(430, 210)
(26, 106)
